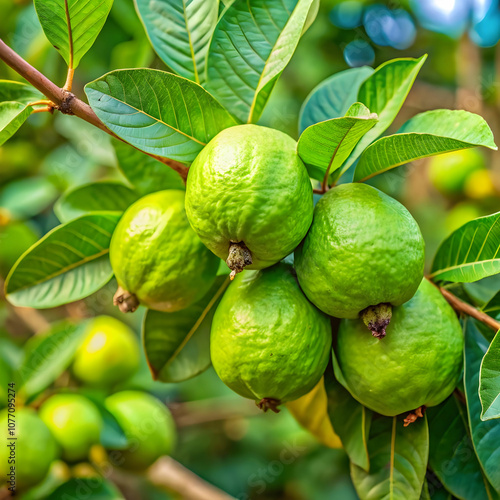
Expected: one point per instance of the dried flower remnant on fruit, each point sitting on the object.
(238, 258)
(413, 415)
(126, 301)
(377, 318)
(269, 404)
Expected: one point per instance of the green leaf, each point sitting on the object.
(48, 355)
(350, 420)
(470, 253)
(38, 190)
(18, 92)
(384, 92)
(492, 307)
(146, 174)
(177, 345)
(427, 134)
(398, 460)
(72, 26)
(485, 434)
(67, 264)
(180, 32)
(82, 488)
(112, 435)
(489, 381)
(251, 46)
(158, 112)
(451, 453)
(332, 97)
(104, 196)
(12, 116)
(326, 145)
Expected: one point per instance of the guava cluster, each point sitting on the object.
(69, 425)
(357, 256)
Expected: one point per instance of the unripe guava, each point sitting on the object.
(75, 422)
(249, 197)
(147, 424)
(109, 353)
(363, 249)
(418, 363)
(268, 342)
(449, 172)
(157, 258)
(35, 448)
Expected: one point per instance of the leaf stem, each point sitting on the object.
(68, 103)
(71, 70)
(462, 307)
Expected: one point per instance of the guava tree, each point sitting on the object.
(320, 306)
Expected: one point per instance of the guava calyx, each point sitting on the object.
(126, 301)
(238, 258)
(413, 415)
(269, 404)
(377, 318)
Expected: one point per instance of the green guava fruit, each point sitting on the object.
(35, 448)
(108, 354)
(249, 197)
(147, 424)
(75, 422)
(419, 362)
(157, 258)
(268, 342)
(449, 172)
(363, 254)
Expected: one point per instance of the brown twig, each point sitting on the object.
(68, 103)
(168, 473)
(462, 307)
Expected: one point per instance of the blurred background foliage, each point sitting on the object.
(222, 437)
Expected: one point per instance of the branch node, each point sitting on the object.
(65, 107)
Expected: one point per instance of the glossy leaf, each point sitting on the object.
(427, 134)
(177, 344)
(311, 412)
(451, 453)
(81, 488)
(72, 26)
(180, 32)
(158, 112)
(12, 116)
(67, 264)
(325, 146)
(398, 460)
(470, 253)
(489, 381)
(146, 174)
(332, 97)
(96, 197)
(485, 434)
(251, 46)
(383, 93)
(350, 420)
(18, 92)
(48, 355)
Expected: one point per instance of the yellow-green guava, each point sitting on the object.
(268, 342)
(109, 353)
(364, 249)
(35, 448)
(157, 258)
(75, 422)
(148, 426)
(419, 362)
(449, 172)
(249, 197)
